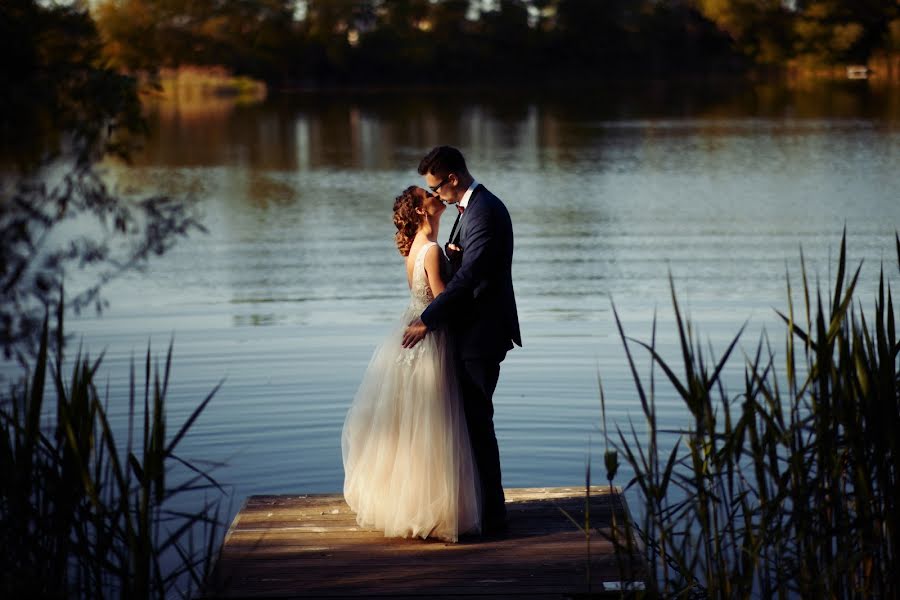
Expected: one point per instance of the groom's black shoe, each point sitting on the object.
(495, 529)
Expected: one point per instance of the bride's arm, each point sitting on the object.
(433, 269)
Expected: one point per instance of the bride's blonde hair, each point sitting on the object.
(406, 218)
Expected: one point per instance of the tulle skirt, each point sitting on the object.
(408, 465)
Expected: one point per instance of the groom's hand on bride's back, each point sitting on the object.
(415, 333)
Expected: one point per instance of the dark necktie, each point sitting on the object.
(461, 209)
(455, 231)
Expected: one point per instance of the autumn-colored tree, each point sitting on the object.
(404, 14)
(760, 29)
(836, 31)
(387, 41)
(249, 36)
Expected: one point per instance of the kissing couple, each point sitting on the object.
(419, 449)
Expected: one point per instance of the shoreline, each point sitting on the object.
(192, 81)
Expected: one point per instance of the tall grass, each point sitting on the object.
(84, 516)
(790, 487)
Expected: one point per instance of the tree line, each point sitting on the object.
(368, 42)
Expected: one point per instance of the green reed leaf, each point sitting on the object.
(725, 357)
(658, 359)
(136, 468)
(193, 417)
(793, 327)
(838, 316)
(636, 378)
(684, 337)
(199, 472)
(839, 281)
(571, 518)
(669, 468)
(36, 399)
(897, 240)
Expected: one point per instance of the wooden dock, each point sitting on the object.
(311, 547)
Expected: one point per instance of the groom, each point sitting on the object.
(478, 304)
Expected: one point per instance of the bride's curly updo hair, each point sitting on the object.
(406, 218)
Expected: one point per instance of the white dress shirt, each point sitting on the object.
(465, 199)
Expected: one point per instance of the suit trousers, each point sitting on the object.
(478, 379)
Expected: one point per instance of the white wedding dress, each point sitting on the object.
(408, 465)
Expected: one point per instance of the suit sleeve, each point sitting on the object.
(477, 262)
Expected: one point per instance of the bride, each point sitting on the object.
(408, 466)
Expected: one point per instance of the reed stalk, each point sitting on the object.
(82, 516)
(790, 488)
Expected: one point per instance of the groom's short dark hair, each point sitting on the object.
(442, 161)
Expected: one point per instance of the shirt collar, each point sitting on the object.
(465, 199)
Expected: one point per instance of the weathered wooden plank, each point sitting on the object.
(512, 494)
(523, 509)
(558, 554)
(311, 546)
(532, 508)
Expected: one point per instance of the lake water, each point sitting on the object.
(609, 190)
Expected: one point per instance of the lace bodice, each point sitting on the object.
(420, 297)
(420, 292)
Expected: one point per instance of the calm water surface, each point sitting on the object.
(610, 191)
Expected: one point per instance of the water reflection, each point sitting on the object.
(609, 189)
(387, 130)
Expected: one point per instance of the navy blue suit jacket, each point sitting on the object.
(478, 303)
